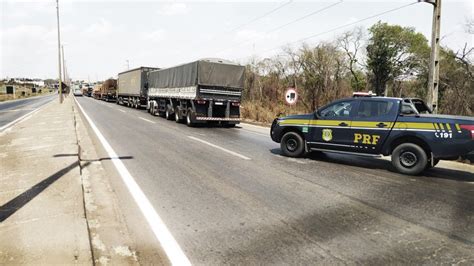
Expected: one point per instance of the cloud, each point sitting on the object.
(173, 9)
(103, 26)
(154, 36)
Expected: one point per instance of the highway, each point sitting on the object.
(10, 111)
(229, 197)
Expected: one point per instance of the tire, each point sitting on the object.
(228, 125)
(409, 159)
(292, 144)
(189, 118)
(168, 114)
(176, 116)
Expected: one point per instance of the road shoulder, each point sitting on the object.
(41, 202)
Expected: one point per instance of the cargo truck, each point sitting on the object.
(204, 91)
(131, 89)
(108, 90)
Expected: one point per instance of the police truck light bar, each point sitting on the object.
(363, 94)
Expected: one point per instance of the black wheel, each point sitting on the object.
(292, 144)
(190, 118)
(228, 125)
(168, 114)
(409, 159)
(429, 166)
(177, 119)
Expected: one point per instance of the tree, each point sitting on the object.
(394, 52)
(351, 42)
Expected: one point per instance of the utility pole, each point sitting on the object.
(59, 55)
(64, 64)
(128, 65)
(433, 77)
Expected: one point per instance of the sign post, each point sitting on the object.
(291, 97)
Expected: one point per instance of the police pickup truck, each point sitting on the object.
(374, 126)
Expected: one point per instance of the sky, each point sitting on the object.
(103, 38)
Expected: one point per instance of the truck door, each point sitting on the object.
(331, 128)
(372, 124)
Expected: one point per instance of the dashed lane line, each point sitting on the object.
(144, 119)
(220, 148)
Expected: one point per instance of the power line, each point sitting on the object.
(305, 16)
(339, 27)
(262, 16)
(287, 24)
(252, 21)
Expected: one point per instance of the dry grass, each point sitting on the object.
(19, 94)
(258, 112)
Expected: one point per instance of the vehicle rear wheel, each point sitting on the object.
(409, 159)
(228, 124)
(292, 144)
(177, 119)
(168, 114)
(189, 118)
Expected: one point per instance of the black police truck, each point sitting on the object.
(374, 126)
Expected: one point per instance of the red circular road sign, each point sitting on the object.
(291, 96)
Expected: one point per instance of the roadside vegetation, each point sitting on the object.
(387, 59)
(22, 91)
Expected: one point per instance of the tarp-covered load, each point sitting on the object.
(109, 86)
(132, 82)
(203, 72)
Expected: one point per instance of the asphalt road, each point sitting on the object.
(12, 110)
(229, 197)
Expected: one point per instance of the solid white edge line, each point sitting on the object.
(173, 251)
(142, 118)
(24, 117)
(123, 111)
(220, 148)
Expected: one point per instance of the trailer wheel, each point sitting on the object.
(189, 118)
(168, 114)
(177, 119)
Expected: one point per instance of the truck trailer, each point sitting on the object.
(131, 89)
(204, 91)
(108, 90)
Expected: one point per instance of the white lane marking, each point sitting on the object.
(220, 148)
(170, 246)
(24, 117)
(16, 110)
(121, 110)
(251, 125)
(144, 119)
(256, 133)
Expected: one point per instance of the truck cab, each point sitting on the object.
(374, 126)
